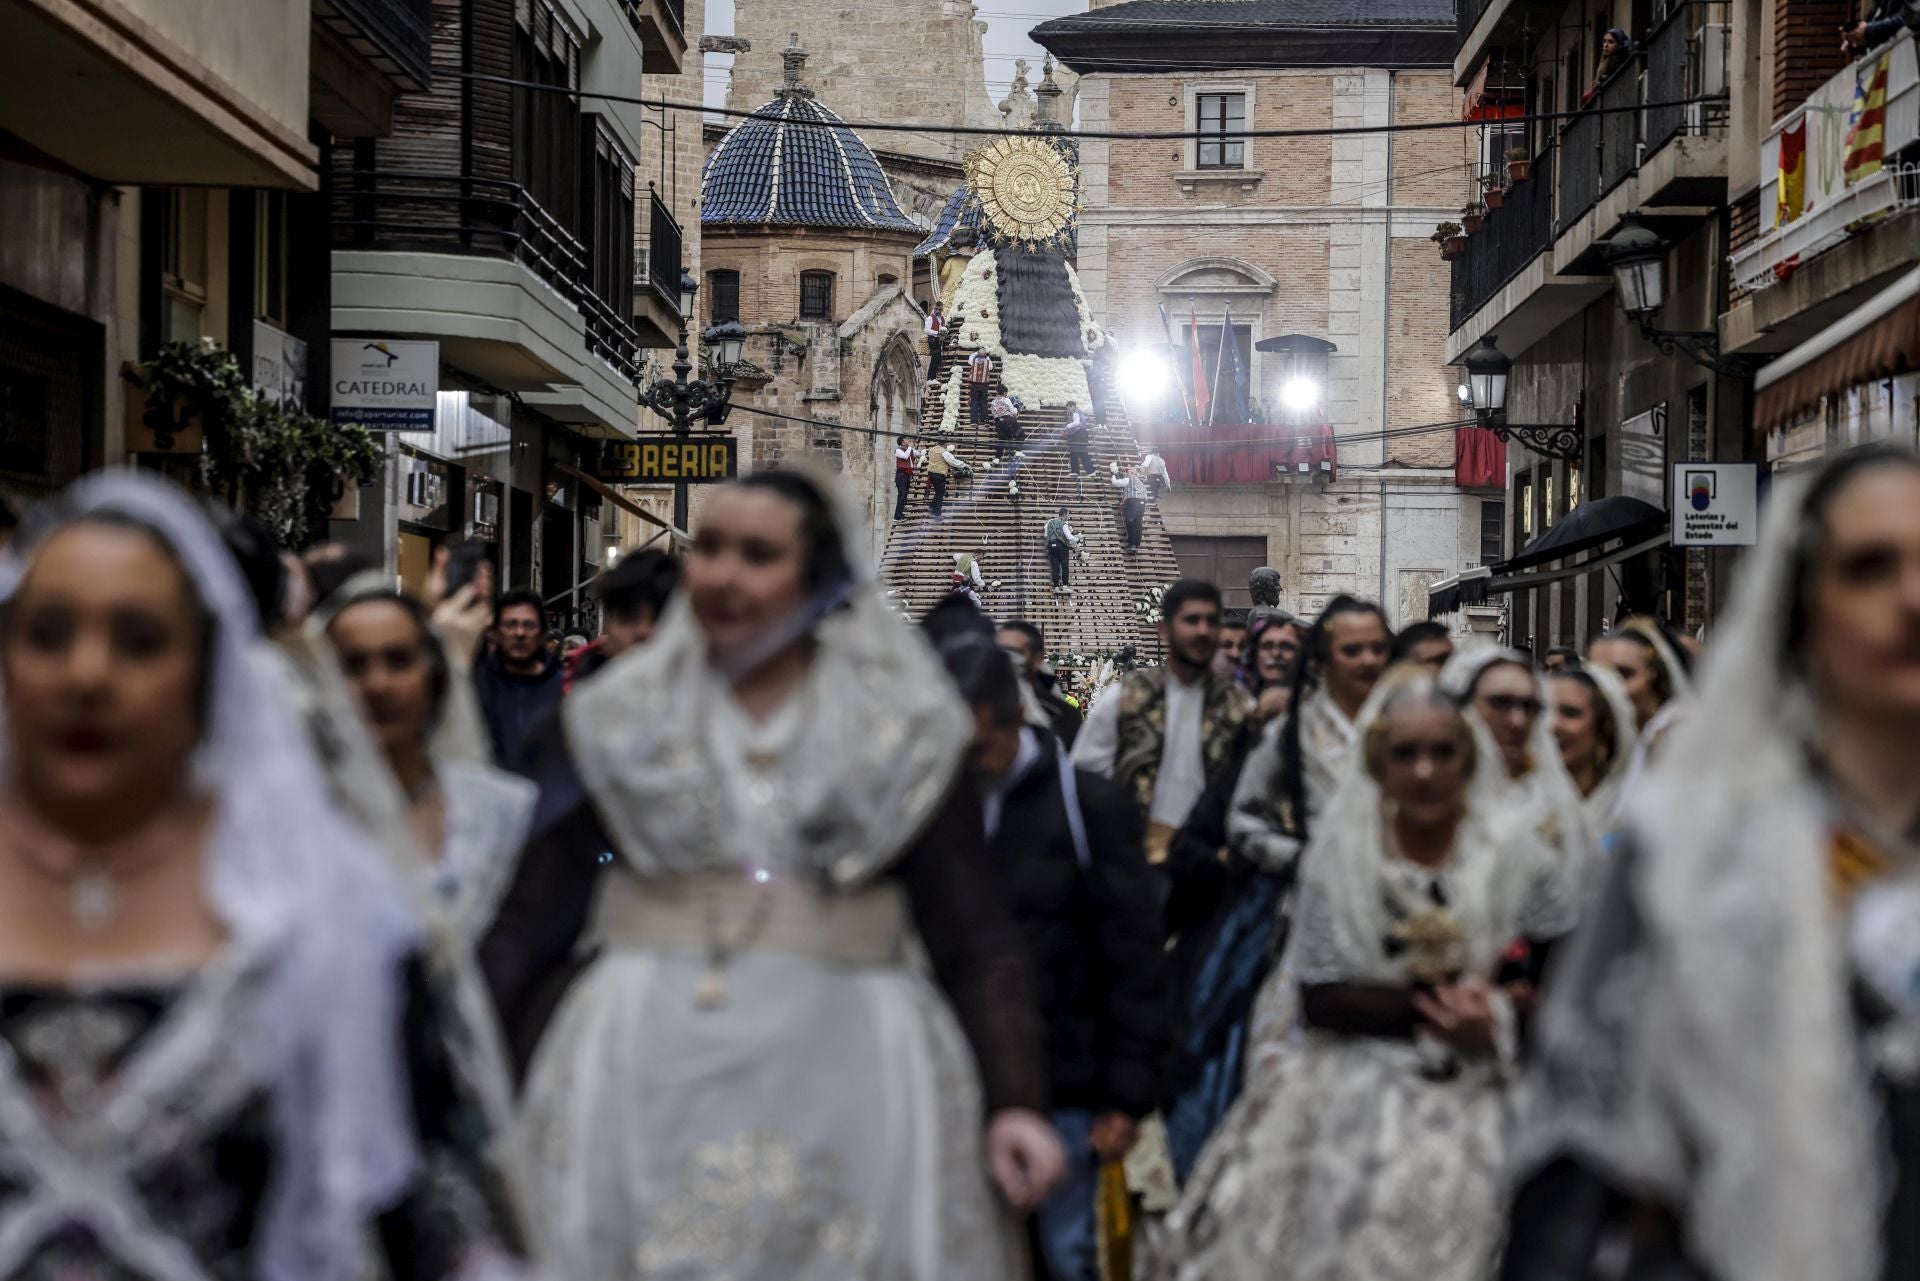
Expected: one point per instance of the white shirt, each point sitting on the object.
(932, 325)
(1183, 771)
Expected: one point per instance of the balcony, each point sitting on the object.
(479, 265)
(1511, 238)
(656, 290)
(662, 28)
(146, 93)
(1835, 210)
(395, 36)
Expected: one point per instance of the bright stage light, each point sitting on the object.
(1300, 394)
(1144, 378)
(1465, 393)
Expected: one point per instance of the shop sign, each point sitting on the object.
(1716, 504)
(698, 460)
(279, 367)
(385, 385)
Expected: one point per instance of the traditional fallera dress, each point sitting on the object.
(1357, 1156)
(755, 1076)
(303, 1102)
(1723, 1040)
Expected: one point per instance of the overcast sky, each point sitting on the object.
(1008, 22)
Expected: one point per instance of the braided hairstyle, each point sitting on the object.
(1290, 783)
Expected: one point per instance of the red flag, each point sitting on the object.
(1202, 394)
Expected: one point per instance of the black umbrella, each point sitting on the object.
(1592, 523)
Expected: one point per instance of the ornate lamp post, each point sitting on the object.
(677, 399)
(1638, 259)
(1487, 371)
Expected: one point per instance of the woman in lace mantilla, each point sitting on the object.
(1370, 1147)
(470, 819)
(1729, 1086)
(221, 1056)
(750, 1076)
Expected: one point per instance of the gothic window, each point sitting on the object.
(816, 295)
(723, 296)
(1221, 118)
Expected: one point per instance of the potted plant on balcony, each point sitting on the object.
(1491, 191)
(1472, 216)
(1450, 238)
(1519, 164)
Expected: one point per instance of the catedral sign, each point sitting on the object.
(694, 459)
(384, 384)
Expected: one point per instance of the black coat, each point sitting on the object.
(1094, 937)
(1063, 719)
(514, 705)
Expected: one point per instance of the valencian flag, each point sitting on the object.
(1869, 124)
(1201, 393)
(1793, 174)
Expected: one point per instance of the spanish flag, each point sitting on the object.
(1793, 174)
(1868, 124)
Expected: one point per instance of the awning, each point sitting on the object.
(1475, 585)
(1468, 587)
(1596, 521)
(1495, 101)
(1877, 341)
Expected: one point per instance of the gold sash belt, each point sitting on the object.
(724, 915)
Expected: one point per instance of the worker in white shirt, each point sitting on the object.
(902, 476)
(935, 328)
(1134, 493)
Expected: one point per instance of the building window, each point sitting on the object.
(1223, 116)
(270, 256)
(606, 216)
(546, 126)
(816, 295)
(1493, 521)
(183, 262)
(723, 296)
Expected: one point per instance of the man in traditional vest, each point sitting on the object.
(1163, 731)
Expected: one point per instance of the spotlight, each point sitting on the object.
(1144, 378)
(1300, 394)
(1465, 393)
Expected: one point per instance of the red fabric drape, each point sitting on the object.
(1479, 459)
(1193, 456)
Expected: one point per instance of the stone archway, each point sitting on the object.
(893, 410)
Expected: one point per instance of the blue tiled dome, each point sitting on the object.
(796, 163)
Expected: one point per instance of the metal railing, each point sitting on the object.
(1511, 237)
(665, 255)
(1466, 13)
(1579, 172)
(489, 217)
(1620, 124)
(1687, 66)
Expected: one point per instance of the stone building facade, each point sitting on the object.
(1324, 236)
(804, 243)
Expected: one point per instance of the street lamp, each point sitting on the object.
(1638, 259)
(677, 399)
(1488, 369)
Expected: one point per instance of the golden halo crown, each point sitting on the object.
(1024, 186)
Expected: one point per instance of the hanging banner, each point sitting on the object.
(1716, 504)
(384, 384)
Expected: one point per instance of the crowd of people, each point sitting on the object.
(350, 932)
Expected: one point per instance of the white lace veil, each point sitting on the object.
(878, 751)
(1600, 805)
(291, 879)
(1544, 800)
(1342, 866)
(1701, 1048)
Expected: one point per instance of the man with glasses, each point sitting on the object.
(518, 684)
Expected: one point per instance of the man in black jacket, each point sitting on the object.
(1024, 642)
(1069, 847)
(518, 683)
